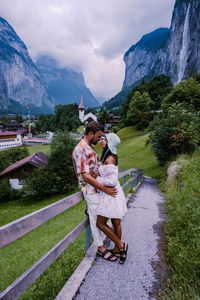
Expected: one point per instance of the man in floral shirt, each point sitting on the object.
(85, 160)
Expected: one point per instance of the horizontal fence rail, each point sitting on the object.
(20, 227)
(27, 278)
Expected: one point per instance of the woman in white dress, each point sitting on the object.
(111, 207)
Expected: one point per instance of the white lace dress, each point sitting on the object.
(111, 207)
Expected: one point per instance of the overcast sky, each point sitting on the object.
(91, 36)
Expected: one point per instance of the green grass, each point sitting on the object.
(21, 254)
(80, 128)
(16, 209)
(183, 232)
(127, 132)
(133, 153)
(39, 148)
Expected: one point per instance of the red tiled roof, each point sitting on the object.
(8, 133)
(38, 159)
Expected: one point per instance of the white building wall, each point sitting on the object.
(15, 183)
(81, 115)
(9, 143)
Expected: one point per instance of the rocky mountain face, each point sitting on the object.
(173, 52)
(20, 81)
(64, 85)
(43, 86)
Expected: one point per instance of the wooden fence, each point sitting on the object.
(14, 230)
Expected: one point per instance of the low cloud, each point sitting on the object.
(88, 36)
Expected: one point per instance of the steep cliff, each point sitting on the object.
(64, 85)
(177, 54)
(20, 81)
(142, 58)
(183, 45)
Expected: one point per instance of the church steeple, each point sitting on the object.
(81, 105)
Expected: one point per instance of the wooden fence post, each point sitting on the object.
(131, 183)
(88, 238)
(124, 181)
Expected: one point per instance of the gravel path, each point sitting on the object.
(133, 280)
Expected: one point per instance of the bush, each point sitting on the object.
(59, 175)
(138, 111)
(39, 183)
(5, 190)
(187, 92)
(10, 156)
(176, 131)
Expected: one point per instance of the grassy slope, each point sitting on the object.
(183, 231)
(133, 153)
(13, 210)
(39, 148)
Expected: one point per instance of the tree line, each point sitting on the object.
(65, 118)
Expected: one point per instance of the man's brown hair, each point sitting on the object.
(93, 127)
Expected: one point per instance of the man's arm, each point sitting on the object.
(112, 191)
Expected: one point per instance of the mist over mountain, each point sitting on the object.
(64, 85)
(44, 85)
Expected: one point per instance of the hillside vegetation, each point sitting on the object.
(183, 231)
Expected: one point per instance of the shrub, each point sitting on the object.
(176, 131)
(5, 190)
(10, 156)
(39, 183)
(138, 111)
(59, 175)
(187, 92)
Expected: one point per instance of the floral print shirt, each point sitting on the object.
(84, 159)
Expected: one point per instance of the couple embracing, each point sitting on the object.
(99, 183)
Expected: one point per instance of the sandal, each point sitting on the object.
(117, 254)
(123, 253)
(103, 254)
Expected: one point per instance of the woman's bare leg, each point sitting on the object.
(101, 224)
(118, 231)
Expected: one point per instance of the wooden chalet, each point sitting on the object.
(20, 170)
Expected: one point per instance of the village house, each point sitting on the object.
(13, 126)
(20, 170)
(114, 119)
(9, 139)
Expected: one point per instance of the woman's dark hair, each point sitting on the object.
(94, 127)
(106, 152)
